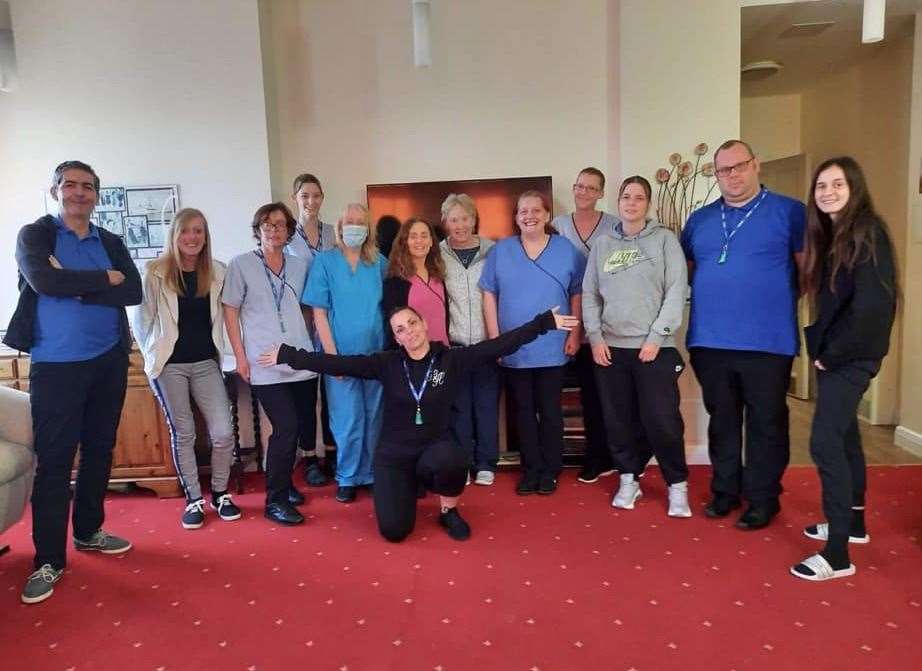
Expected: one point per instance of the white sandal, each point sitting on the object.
(820, 532)
(821, 569)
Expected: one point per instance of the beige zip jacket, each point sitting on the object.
(155, 322)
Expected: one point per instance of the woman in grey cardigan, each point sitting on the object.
(475, 420)
(633, 299)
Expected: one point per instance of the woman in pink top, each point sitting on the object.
(416, 278)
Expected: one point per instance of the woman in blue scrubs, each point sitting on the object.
(344, 289)
(523, 276)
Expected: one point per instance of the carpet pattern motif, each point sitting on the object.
(545, 583)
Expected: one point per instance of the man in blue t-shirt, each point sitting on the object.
(743, 252)
(75, 280)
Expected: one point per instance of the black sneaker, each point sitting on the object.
(227, 511)
(345, 494)
(590, 474)
(547, 485)
(527, 485)
(455, 525)
(314, 475)
(193, 516)
(40, 585)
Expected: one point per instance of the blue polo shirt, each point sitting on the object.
(749, 302)
(67, 329)
(524, 288)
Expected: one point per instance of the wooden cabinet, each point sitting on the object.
(142, 448)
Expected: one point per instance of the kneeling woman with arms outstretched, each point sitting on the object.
(420, 381)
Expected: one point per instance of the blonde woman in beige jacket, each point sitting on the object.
(179, 329)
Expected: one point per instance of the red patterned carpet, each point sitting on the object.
(546, 583)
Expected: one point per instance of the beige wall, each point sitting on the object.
(147, 93)
(865, 112)
(909, 433)
(516, 88)
(771, 124)
(679, 65)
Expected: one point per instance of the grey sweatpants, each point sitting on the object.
(176, 386)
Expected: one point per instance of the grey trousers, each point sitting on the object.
(175, 388)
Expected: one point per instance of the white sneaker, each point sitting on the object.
(484, 478)
(628, 492)
(678, 500)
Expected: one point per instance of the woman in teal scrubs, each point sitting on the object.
(344, 289)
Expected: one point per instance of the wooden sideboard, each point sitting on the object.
(142, 449)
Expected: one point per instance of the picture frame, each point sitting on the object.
(111, 199)
(157, 203)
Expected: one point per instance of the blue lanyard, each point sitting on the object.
(418, 393)
(303, 234)
(728, 235)
(277, 293)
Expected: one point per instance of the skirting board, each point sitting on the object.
(909, 440)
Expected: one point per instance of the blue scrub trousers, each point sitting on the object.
(355, 420)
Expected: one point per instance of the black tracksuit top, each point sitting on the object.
(854, 323)
(400, 435)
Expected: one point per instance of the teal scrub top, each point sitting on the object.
(352, 300)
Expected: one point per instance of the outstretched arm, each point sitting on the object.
(510, 341)
(366, 366)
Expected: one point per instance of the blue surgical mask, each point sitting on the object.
(354, 235)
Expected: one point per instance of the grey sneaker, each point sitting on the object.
(628, 492)
(484, 478)
(103, 542)
(40, 585)
(678, 500)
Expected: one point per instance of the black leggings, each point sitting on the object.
(441, 467)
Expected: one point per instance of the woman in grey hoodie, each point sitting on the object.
(633, 298)
(475, 421)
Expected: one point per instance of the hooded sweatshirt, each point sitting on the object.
(465, 300)
(634, 288)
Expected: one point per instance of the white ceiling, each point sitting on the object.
(766, 36)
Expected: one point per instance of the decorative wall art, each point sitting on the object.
(139, 215)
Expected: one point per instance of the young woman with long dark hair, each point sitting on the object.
(850, 275)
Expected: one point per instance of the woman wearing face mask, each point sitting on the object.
(345, 289)
(420, 380)
(850, 274)
(180, 331)
(525, 274)
(261, 306)
(311, 237)
(416, 277)
(475, 422)
(633, 298)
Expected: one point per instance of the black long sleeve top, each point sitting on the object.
(400, 435)
(853, 323)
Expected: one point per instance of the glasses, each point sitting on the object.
(586, 188)
(736, 167)
(269, 227)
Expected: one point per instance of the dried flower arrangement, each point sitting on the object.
(675, 197)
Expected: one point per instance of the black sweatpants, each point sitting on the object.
(441, 467)
(73, 402)
(640, 402)
(752, 386)
(598, 456)
(538, 418)
(292, 410)
(835, 443)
